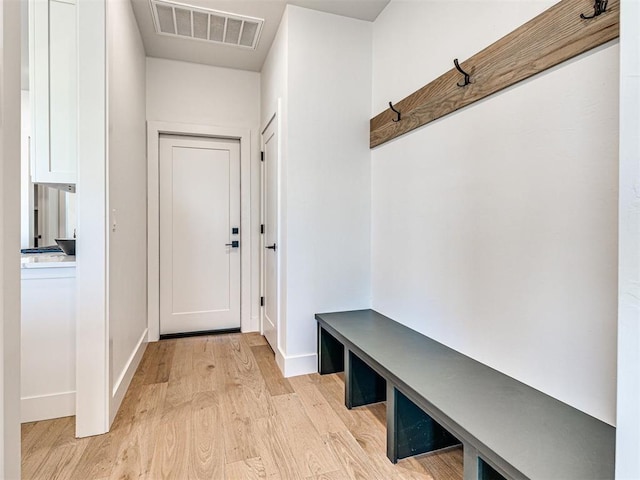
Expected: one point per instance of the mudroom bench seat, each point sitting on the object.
(438, 398)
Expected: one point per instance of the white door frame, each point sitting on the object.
(10, 25)
(275, 117)
(263, 199)
(154, 130)
(93, 376)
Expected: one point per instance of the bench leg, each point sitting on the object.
(470, 464)
(330, 353)
(392, 439)
(362, 384)
(410, 431)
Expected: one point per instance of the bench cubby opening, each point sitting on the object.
(411, 431)
(330, 353)
(487, 472)
(363, 385)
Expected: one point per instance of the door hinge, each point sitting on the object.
(262, 229)
(262, 156)
(262, 301)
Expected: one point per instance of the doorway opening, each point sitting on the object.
(200, 238)
(201, 189)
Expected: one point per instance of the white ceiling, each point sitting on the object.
(233, 57)
(220, 55)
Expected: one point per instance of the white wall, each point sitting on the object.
(628, 419)
(127, 196)
(9, 239)
(189, 93)
(274, 92)
(325, 172)
(273, 77)
(494, 230)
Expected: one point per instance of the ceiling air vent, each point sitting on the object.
(186, 21)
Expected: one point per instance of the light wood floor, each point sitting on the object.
(217, 407)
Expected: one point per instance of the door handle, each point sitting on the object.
(234, 244)
(272, 247)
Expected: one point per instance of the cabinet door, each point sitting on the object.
(54, 69)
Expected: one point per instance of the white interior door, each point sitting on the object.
(270, 220)
(199, 210)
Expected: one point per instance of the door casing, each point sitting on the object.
(272, 123)
(154, 130)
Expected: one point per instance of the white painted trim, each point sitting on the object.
(124, 380)
(280, 360)
(154, 130)
(46, 407)
(9, 239)
(297, 364)
(282, 258)
(262, 221)
(92, 324)
(277, 117)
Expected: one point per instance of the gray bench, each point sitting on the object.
(437, 398)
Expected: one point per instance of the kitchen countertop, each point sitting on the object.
(47, 260)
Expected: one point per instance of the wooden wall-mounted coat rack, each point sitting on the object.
(565, 30)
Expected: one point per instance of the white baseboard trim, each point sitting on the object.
(122, 384)
(280, 360)
(46, 407)
(295, 365)
(255, 324)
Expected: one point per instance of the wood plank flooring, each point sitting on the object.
(217, 407)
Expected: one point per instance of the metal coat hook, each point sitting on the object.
(467, 78)
(396, 111)
(599, 7)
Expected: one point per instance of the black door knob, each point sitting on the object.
(234, 244)
(272, 247)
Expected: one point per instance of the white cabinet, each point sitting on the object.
(53, 73)
(48, 333)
